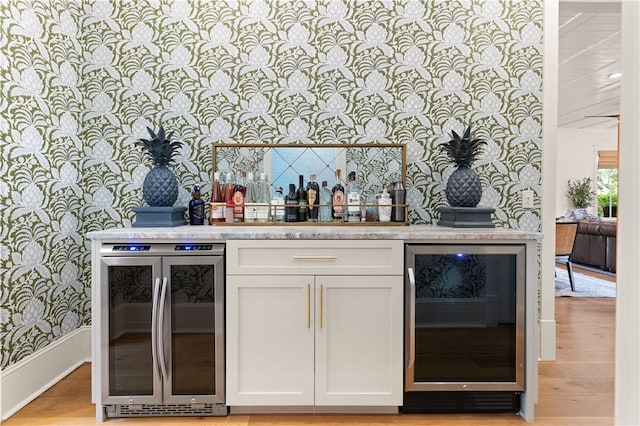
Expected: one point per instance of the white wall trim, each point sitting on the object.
(31, 376)
(627, 373)
(547, 340)
(548, 195)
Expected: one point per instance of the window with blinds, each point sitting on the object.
(608, 159)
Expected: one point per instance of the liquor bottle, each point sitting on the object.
(291, 205)
(196, 208)
(250, 199)
(239, 191)
(228, 211)
(353, 199)
(262, 199)
(216, 205)
(301, 196)
(325, 202)
(337, 199)
(313, 195)
(277, 206)
(227, 188)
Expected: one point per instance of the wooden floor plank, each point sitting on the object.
(575, 390)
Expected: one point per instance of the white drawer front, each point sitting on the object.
(326, 257)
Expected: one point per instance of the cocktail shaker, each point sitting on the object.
(398, 199)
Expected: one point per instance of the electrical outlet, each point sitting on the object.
(527, 199)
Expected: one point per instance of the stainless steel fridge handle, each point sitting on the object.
(412, 318)
(161, 348)
(154, 325)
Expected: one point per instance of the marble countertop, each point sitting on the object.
(310, 232)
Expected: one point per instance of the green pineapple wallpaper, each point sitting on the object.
(82, 79)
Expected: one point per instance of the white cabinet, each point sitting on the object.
(357, 360)
(270, 338)
(314, 338)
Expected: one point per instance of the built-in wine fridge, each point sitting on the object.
(162, 329)
(464, 327)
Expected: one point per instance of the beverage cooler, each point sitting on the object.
(162, 329)
(464, 327)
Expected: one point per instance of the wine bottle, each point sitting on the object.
(337, 200)
(313, 195)
(216, 204)
(227, 188)
(301, 196)
(239, 191)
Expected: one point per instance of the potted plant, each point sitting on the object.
(581, 195)
(463, 187)
(160, 187)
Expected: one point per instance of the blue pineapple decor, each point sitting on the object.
(160, 187)
(463, 187)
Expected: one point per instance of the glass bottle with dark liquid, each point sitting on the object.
(291, 205)
(301, 196)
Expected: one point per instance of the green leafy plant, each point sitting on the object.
(604, 199)
(607, 202)
(580, 193)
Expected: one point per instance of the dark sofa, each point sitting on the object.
(595, 245)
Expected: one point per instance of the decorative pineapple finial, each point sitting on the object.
(464, 188)
(160, 187)
(463, 150)
(160, 148)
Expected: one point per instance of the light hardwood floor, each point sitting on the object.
(575, 390)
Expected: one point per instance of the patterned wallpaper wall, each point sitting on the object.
(45, 290)
(81, 80)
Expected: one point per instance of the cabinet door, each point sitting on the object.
(359, 340)
(270, 340)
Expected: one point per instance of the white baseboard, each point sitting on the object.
(547, 340)
(27, 379)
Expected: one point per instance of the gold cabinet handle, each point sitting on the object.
(321, 303)
(308, 305)
(314, 257)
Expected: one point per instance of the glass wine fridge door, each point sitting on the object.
(192, 321)
(128, 322)
(465, 317)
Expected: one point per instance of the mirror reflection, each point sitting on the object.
(375, 165)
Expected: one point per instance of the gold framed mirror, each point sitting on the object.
(376, 166)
